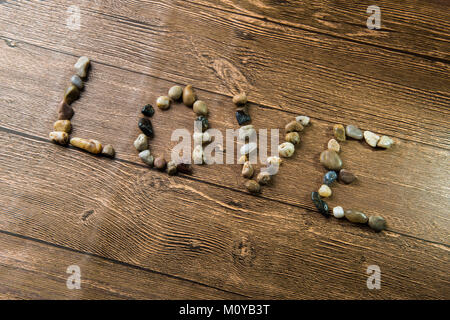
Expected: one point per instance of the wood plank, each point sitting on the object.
(408, 184)
(405, 26)
(393, 93)
(225, 239)
(35, 270)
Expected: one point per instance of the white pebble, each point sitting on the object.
(248, 148)
(371, 138)
(385, 142)
(274, 160)
(246, 132)
(334, 145)
(304, 120)
(141, 142)
(324, 191)
(286, 149)
(146, 157)
(338, 212)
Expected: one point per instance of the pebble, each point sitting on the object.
(247, 170)
(77, 82)
(163, 102)
(90, 145)
(248, 148)
(109, 151)
(353, 132)
(321, 205)
(330, 177)
(62, 125)
(204, 121)
(184, 168)
(385, 142)
(242, 159)
(377, 223)
(371, 138)
(274, 160)
(330, 160)
(293, 126)
(325, 191)
(148, 110)
(171, 168)
(356, 216)
(247, 132)
(339, 132)
(206, 137)
(82, 66)
(160, 163)
(242, 117)
(146, 127)
(189, 96)
(201, 137)
(286, 149)
(263, 178)
(175, 93)
(240, 99)
(334, 145)
(293, 137)
(253, 186)
(197, 154)
(304, 120)
(59, 137)
(146, 157)
(141, 142)
(346, 176)
(200, 108)
(65, 111)
(338, 212)
(71, 94)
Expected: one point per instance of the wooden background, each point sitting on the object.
(139, 234)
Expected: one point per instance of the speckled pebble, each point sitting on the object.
(354, 132)
(62, 125)
(163, 102)
(240, 99)
(286, 149)
(71, 94)
(247, 170)
(141, 142)
(89, 145)
(385, 142)
(339, 132)
(377, 223)
(321, 205)
(293, 126)
(160, 163)
(146, 157)
(175, 93)
(329, 177)
(304, 120)
(204, 122)
(325, 191)
(242, 117)
(338, 212)
(171, 168)
(274, 160)
(108, 150)
(148, 110)
(356, 216)
(371, 138)
(293, 137)
(334, 145)
(263, 178)
(82, 66)
(59, 137)
(252, 186)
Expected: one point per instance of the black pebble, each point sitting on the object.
(242, 117)
(321, 205)
(148, 110)
(205, 124)
(146, 127)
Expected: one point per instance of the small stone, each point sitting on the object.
(263, 178)
(304, 120)
(175, 93)
(329, 177)
(206, 137)
(82, 66)
(204, 122)
(331, 160)
(356, 216)
(274, 160)
(247, 132)
(62, 125)
(338, 212)
(71, 94)
(385, 142)
(325, 191)
(184, 168)
(334, 145)
(242, 117)
(286, 149)
(146, 127)
(247, 170)
(65, 111)
(171, 168)
(321, 205)
(59, 137)
(248, 148)
(163, 102)
(109, 151)
(197, 154)
(293, 137)
(339, 132)
(77, 82)
(90, 145)
(146, 157)
(141, 142)
(200, 108)
(371, 138)
(242, 159)
(148, 110)
(253, 186)
(160, 163)
(189, 96)
(353, 132)
(240, 99)
(377, 223)
(346, 176)
(293, 126)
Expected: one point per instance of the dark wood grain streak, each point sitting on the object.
(228, 240)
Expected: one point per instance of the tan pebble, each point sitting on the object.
(356, 216)
(325, 191)
(109, 151)
(240, 99)
(334, 145)
(171, 168)
(286, 149)
(293, 137)
(163, 102)
(339, 132)
(242, 159)
(263, 178)
(252, 186)
(62, 125)
(60, 137)
(189, 96)
(293, 126)
(247, 170)
(371, 138)
(90, 145)
(385, 142)
(82, 66)
(141, 142)
(274, 160)
(175, 93)
(331, 160)
(200, 108)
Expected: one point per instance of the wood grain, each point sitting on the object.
(227, 240)
(395, 93)
(383, 187)
(36, 270)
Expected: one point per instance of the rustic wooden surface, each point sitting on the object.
(137, 233)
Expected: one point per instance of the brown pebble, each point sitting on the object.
(71, 94)
(108, 150)
(356, 216)
(263, 178)
(331, 160)
(247, 170)
(189, 96)
(346, 176)
(171, 168)
(339, 132)
(293, 126)
(253, 186)
(160, 163)
(184, 168)
(293, 137)
(90, 145)
(65, 111)
(62, 125)
(240, 99)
